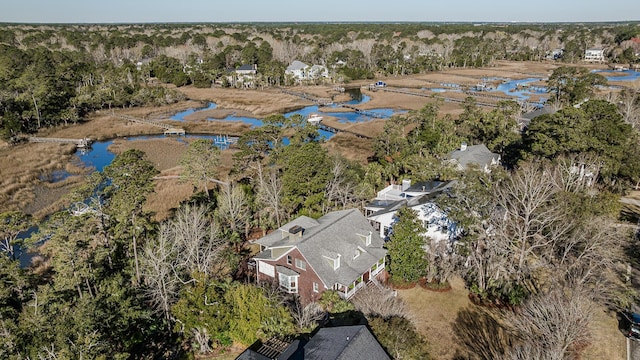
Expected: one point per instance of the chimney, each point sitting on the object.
(295, 231)
(463, 146)
(406, 183)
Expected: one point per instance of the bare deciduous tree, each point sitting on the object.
(202, 339)
(233, 209)
(159, 268)
(306, 317)
(270, 195)
(443, 261)
(189, 243)
(629, 105)
(379, 301)
(556, 323)
(198, 239)
(533, 220)
(341, 191)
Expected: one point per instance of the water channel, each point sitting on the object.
(98, 156)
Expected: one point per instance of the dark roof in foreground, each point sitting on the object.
(344, 343)
(332, 343)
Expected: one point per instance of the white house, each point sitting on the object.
(438, 226)
(301, 71)
(594, 55)
(298, 70)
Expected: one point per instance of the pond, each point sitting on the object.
(520, 88)
(619, 75)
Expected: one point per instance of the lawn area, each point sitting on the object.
(434, 315)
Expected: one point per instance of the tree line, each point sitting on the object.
(55, 74)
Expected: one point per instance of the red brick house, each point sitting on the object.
(339, 251)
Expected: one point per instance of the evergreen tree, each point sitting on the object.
(407, 261)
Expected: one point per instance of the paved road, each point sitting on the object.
(633, 348)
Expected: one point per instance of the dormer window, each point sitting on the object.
(365, 238)
(358, 251)
(334, 262)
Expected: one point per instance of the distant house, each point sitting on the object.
(298, 70)
(301, 71)
(242, 76)
(339, 251)
(330, 343)
(525, 119)
(594, 55)
(246, 70)
(477, 155)
(555, 54)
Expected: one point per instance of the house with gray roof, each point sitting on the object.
(344, 343)
(330, 343)
(339, 251)
(298, 70)
(474, 155)
(301, 71)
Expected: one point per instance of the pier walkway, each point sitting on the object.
(81, 143)
(168, 129)
(320, 101)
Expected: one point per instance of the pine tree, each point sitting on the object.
(406, 248)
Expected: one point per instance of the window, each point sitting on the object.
(334, 263)
(356, 254)
(266, 269)
(300, 264)
(289, 259)
(315, 287)
(288, 283)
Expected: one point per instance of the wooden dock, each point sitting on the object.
(430, 95)
(365, 112)
(333, 130)
(320, 101)
(168, 129)
(80, 143)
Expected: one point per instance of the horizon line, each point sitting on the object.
(506, 22)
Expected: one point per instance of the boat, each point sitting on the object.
(314, 119)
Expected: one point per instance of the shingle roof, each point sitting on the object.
(297, 65)
(337, 233)
(344, 343)
(246, 67)
(473, 154)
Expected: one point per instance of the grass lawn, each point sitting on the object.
(434, 314)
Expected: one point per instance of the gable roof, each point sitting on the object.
(246, 67)
(297, 65)
(334, 343)
(473, 154)
(344, 343)
(336, 234)
(537, 112)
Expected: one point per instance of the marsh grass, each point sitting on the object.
(21, 167)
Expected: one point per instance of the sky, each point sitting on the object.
(143, 11)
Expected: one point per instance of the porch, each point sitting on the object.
(347, 291)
